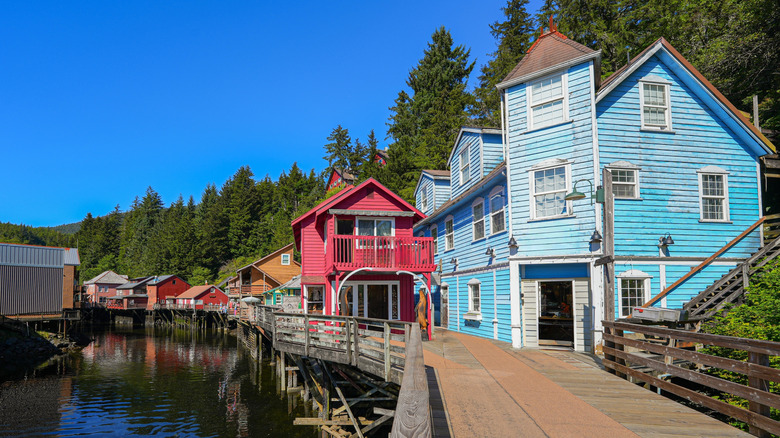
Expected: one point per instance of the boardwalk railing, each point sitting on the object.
(354, 252)
(375, 346)
(648, 352)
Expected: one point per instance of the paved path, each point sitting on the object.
(489, 389)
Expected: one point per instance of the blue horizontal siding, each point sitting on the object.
(501, 311)
(472, 141)
(557, 270)
(492, 152)
(668, 162)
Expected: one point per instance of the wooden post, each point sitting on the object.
(609, 245)
(387, 351)
(348, 332)
(284, 372)
(745, 275)
(306, 335)
(610, 344)
(412, 412)
(761, 385)
(356, 356)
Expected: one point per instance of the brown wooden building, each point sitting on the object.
(269, 272)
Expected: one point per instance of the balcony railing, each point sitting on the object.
(250, 289)
(388, 252)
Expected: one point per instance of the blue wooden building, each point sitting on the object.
(685, 169)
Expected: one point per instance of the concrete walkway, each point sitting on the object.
(489, 389)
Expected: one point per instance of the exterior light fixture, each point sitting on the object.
(595, 237)
(665, 240)
(490, 252)
(577, 195)
(512, 243)
(454, 261)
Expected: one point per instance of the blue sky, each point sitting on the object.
(99, 100)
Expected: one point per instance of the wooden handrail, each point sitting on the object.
(703, 264)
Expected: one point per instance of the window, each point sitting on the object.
(547, 101)
(464, 166)
(345, 227)
(474, 303)
(449, 236)
(285, 259)
(375, 227)
(372, 299)
(314, 299)
(713, 194)
(478, 222)
(633, 290)
(497, 224)
(435, 235)
(624, 183)
(654, 99)
(549, 188)
(424, 199)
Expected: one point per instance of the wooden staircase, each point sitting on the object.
(731, 287)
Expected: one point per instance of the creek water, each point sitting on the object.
(152, 382)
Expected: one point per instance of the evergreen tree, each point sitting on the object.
(340, 149)
(513, 38)
(242, 207)
(211, 226)
(424, 124)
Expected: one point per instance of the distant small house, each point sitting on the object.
(131, 295)
(163, 287)
(102, 286)
(279, 295)
(381, 157)
(339, 176)
(267, 273)
(36, 280)
(197, 297)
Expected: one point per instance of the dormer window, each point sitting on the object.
(424, 199)
(464, 166)
(285, 259)
(547, 98)
(654, 101)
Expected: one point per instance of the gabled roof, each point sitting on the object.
(663, 46)
(347, 192)
(162, 278)
(551, 51)
(383, 153)
(196, 291)
(478, 186)
(475, 130)
(135, 282)
(282, 249)
(108, 277)
(434, 174)
(344, 174)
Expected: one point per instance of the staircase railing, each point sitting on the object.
(703, 264)
(771, 227)
(731, 286)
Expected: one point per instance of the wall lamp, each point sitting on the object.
(575, 195)
(454, 261)
(595, 237)
(490, 252)
(512, 243)
(665, 240)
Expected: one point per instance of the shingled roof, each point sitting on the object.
(550, 50)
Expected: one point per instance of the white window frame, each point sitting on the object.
(286, 259)
(479, 204)
(626, 168)
(464, 156)
(497, 191)
(390, 301)
(424, 198)
(654, 80)
(306, 300)
(435, 235)
(475, 312)
(532, 192)
(633, 274)
(375, 219)
(563, 97)
(449, 238)
(714, 171)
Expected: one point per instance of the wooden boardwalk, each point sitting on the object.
(489, 389)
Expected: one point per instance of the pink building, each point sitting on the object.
(103, 286)
(359, 256)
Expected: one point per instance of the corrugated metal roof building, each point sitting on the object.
(31, 278)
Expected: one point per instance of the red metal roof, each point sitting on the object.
(196, 291)
(550, 49)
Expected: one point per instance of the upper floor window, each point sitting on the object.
(478, 222)
(375, 227)
(464, 166)
(424, 198)
(625, 182)
(547, 101)
(435, 235)
(497, 224)
(548, 189)
(633, 290)
(449, 234)
(285, 259)
(713, 194)
(654, 100)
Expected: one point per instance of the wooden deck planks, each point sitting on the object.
(517, 385)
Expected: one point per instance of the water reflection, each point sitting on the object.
(154, 382)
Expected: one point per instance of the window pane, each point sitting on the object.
(384, 228)
(546, 89)
(448, 227)
(623, 190)
(712, 208)
(365, 227)
(655, 94)
(496, 203)
(548, 113)
(712, 185)
(633, 294)
(655, 116)
(497, 222)
(625, 176)
(479, 229)
(478, 211)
